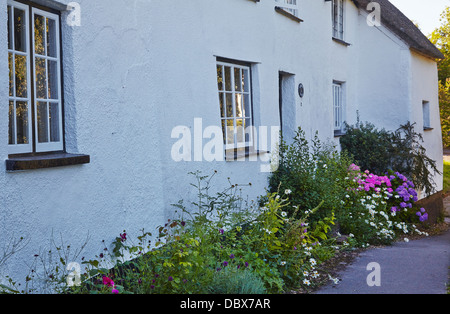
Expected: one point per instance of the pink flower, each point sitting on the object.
(108, 282)
(115, 291)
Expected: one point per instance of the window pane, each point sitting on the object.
(227, 78)
(42, 121)
(54, 122)
(220, 77)
(248, 130)
(51, 38)
(230, 131)
(240, 130)
(22, 122)
(41, 78)
(10, 43)
(222, 105)
(21, 76)
(246, 80)
(239, 107)
(11, 137)
(11, 74)
(53, 89)
(224, 131)
(247, 108)
(229, 105)
(20, 24)
(39, 41)
(237, 79)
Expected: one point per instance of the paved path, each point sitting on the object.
(415, 267)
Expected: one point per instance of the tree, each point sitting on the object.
(441, 39)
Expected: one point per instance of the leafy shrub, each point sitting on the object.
(232, 280)
(314, 172)
(380, 151)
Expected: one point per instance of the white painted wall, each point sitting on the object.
(134, 70)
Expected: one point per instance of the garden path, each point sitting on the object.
(415, 267)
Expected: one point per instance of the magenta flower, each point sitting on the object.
(115, 291)
(108, 282)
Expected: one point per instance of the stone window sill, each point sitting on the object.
(288, 15)
(340, 41)
(234, 154)
(52, 160)
(338, 133)
(427, 128)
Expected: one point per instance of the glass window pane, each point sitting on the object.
(229, 105)
(22, 122)
(42, 122)
(39, 40)
(11, 74)
(41, 78)
(11, 137)
(224, 130)
(237, 79)
(10, 43)
(246, 80)
(230, 131)
(227, 78)
(54, 122)
(53, 88)
(20, 33)
(222, 105)
(238, 102)
(248, 130)
(240, 130)
(21, 76)
(247, 106)
(51, 38)
(220, 77)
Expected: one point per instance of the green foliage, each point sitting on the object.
(314, 173)
(446, 176)
(236, 281)
(444, 107)
(380, 151)
(441, 39)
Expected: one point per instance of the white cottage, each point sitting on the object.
(102, 96)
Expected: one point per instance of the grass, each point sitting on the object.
(446, 177)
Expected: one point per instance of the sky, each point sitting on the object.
(424, 12)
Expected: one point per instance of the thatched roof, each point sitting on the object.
(399, 24)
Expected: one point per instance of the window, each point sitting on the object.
(338, 107)
(235, 99)
(289, 6)
(426, 115)
(338, 19)
(35, 95)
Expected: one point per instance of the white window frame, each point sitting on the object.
(426, 115)
(33, 144)
(49, 146)
(338, 105)
(338, 18)
(222, 92)
(290, 6)
(21, 148)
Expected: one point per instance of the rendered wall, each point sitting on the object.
(135, 70)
